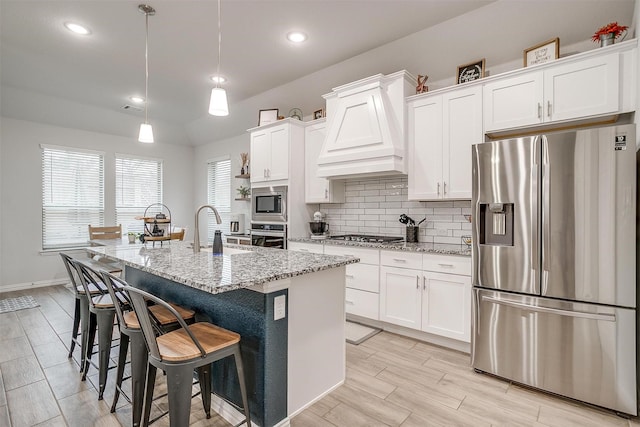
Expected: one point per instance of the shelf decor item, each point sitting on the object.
(543, 52)
(422, 87)
(295, 113)
(267, 116)
(318, 114)
(470, 72)
(243, 191)
(609, 33)
(244, 158)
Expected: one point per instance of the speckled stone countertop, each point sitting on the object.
(435, 248)
(241, 266)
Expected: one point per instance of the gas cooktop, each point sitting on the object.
(367, 238)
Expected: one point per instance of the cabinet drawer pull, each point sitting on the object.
(303, 250)
(445, 265)
(399, 260)
(351, 255)
(350, 302)
(349, 276)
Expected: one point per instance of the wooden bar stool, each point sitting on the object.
(130, 333)
(81, 312)
(181, 351)
(102, 313)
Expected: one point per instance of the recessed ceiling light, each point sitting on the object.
(218, 79)
(77, 28)
(137, 99)
(296, 37)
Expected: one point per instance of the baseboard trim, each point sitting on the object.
(32, 285)
(316, 399)
(233, 416)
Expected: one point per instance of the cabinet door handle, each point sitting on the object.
(417, 282)
(424, 283)
(539, 110)
(264, 173)
(445, 265)
(445, 188)
(399, 260)
(549, 109)
(326, 193)
(438, 189)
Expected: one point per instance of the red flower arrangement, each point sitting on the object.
(609, 28)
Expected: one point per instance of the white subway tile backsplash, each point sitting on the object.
(373, 206)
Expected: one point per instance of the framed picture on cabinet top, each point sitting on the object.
(543, 52)
(267, 116)
(470, 72)
(318, 114)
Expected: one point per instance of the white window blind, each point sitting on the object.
(72, 196)
(138, 185)
(219, 195)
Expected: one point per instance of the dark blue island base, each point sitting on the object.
(264, 343)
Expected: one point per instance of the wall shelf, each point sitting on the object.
(244, 176)
(244, 199)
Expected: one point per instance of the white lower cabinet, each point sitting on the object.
(362, 280)
(436, 302)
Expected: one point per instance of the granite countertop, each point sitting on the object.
(241, 266)
(435, 248)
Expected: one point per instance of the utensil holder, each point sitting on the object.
(412, 234)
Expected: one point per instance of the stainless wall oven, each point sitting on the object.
(269, 204)
(269, 235)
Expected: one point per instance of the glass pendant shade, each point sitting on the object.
(218, 105)
(146, 133)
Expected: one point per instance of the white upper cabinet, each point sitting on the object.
(365, 128)
(441, 130)
(271, 151)
(572, 90)
(318, 189)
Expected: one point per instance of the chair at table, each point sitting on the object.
(177, 233)
(105, 233)
(81, 312)
(130, 333)
(181, 351)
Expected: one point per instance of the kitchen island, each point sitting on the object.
(287, 306)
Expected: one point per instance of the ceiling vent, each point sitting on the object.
(129, 107)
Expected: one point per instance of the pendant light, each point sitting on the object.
(146, 132)
(218, 104)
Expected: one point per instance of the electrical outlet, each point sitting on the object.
(279, 307)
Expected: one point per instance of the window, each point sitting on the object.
(72, 196)
(138, 185)
(219, 194)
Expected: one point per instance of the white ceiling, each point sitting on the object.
(39, 57)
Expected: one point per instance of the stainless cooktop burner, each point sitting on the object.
(367, 238)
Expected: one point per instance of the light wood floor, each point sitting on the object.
(391, 381)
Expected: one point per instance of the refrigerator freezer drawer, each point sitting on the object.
(576, 350)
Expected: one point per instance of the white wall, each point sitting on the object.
(231, 148)
(21, 189)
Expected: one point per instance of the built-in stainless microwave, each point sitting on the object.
(269, 204)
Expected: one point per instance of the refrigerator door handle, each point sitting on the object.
(546, 209)
(535, 185)
(559, 312)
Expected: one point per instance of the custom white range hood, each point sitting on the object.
(366, 123)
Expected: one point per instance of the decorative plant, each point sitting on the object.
(611, 28)
(244, 191)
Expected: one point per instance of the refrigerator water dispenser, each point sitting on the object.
(496, 224)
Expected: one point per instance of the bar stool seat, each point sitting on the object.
(131, 337)
(179, 353)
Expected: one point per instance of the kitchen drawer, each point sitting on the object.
(365, 277)
(401, 259)
(362, 303)
(367, 256)
(315, 248)
(447, 264)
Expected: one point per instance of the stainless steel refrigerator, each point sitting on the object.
(554, 263)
